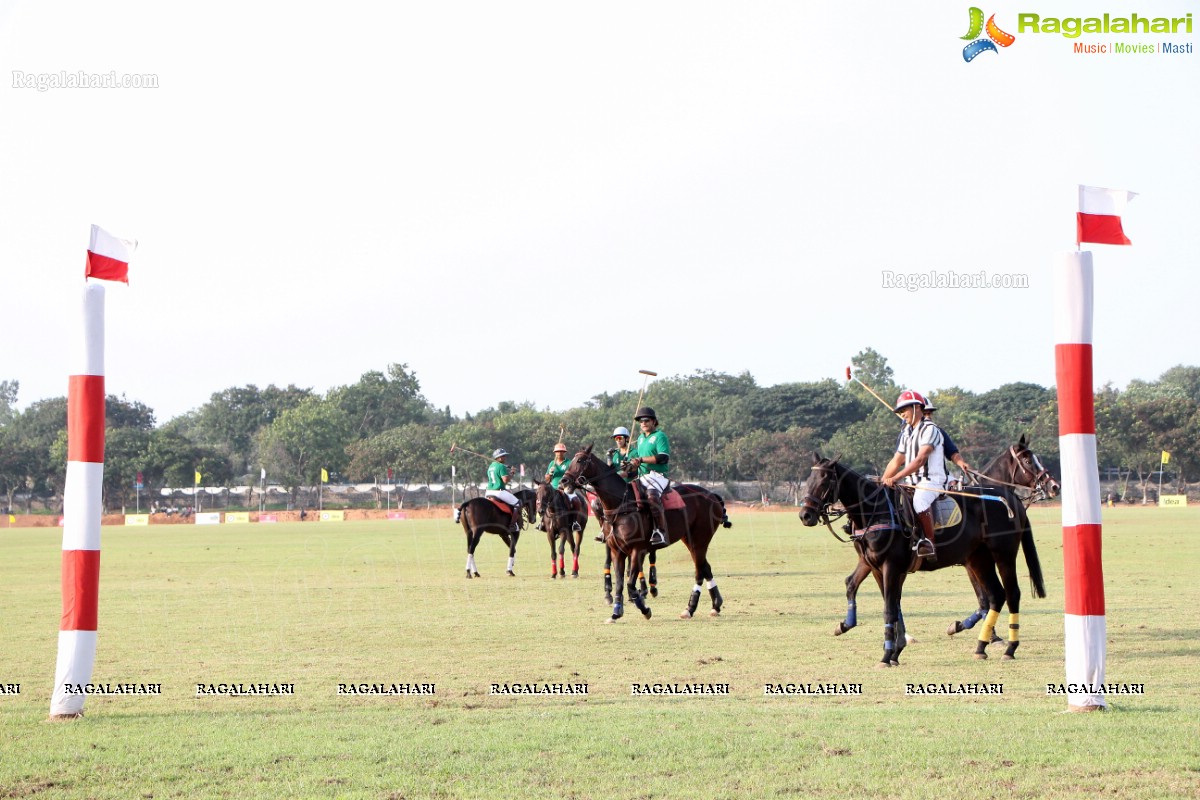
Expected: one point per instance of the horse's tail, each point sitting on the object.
(461, 518)
(1031, 557)
(725, 523)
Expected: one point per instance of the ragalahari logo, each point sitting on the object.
(995, 36)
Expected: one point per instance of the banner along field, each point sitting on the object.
(316, 605)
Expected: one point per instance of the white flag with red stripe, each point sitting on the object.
(1099, 217)
(108, 256)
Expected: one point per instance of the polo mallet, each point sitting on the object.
(886, 404)
(455, 448)
(648, 374)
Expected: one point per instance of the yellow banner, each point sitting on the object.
(137, 519)
(1166, 457)
(1173, 500)
(237, 517)
(324, 475)
(198, 476)
(333, 516)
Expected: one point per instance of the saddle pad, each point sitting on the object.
(500, 504)
(946, 513)
(673, 501)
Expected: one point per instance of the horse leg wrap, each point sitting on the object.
(511, 561)
(653, 576)
(989, 626)
(608, 581)
(889, 640)
(553, 569)
(1014, 627)
(715, 594)
(970, 621)
(618, 610)
(694, 601)
(575, 565)
(851, 616)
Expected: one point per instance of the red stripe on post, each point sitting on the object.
(105, 268)
(80, 589)
(1076, 403)
(85, 419)
(1083, 573)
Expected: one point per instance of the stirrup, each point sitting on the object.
(925, 548)
(575, 528)
(658, 538)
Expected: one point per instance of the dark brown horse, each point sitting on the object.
(564, 517)
(480, 514)
(1019, 468)
(992, 529)
(694, 523)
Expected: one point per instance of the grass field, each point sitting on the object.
(386, 602)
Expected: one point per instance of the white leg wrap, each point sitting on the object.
(697, 588)
(711, 585)
(511, 561)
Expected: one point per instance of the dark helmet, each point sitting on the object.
(645, 412)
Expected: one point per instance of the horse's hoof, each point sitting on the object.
(654, 591)
(610, 620)
(647, 612)
(883, 665)
(909, 640)
(574, 573)
(553, 576)
(894, 663)
(468, 574)
(476, 574)
(981, 656)
(955, 627)
(608, 599)
(716, 612)
(1007, 657)
(512, 574)
(686, 615)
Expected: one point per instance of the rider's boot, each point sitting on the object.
(658, 537)
(925, 548)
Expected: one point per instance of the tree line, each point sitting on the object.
(722, 427)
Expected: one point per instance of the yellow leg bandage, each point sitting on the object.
(1014, 627)
(989, 626)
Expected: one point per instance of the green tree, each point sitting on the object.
(232, 419)
(304, 440)
(379, 402)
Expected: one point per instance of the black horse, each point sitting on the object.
(694, 523)
(651, 556)
(1019, 468)
(564, 517)
(480, 514)
(992, 529)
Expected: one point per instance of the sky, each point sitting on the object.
(532, 201)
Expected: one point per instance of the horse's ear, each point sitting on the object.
(816, 458)
(588, 449)
(836, 459)
(1023, 443)
(536, 482)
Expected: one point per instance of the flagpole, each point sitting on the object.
(1161, 464)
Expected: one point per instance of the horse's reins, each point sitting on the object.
(1036, 491)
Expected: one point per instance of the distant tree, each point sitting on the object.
(232, 419)
(1186, 379)
(825, 407)
(379, 402)
(8, 401)
(304, 440)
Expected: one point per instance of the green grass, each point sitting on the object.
(316, 605)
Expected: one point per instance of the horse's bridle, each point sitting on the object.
(808, 503)
(1040, 478)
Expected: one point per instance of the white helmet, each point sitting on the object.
(622, 431)
(499, 452)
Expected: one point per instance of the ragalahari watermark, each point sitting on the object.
(45, 81)
(949, 279)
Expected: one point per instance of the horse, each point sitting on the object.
(651, 556)
(694, 519)
(985, 539)
(480, 514)
(1017, 467)
(564, 518)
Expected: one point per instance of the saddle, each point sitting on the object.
(946, 513)
(500, 504)
(672, 499)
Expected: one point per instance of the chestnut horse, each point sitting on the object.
(694, 523)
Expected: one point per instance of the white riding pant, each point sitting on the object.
(504, 495)
(654, 480)
(927, 492)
